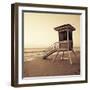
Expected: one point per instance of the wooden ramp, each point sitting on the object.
(49, 53)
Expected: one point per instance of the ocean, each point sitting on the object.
(34, 53)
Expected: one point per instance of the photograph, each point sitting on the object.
(51, 44)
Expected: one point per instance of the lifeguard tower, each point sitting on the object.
(65, 44)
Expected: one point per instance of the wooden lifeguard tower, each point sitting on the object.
(65, 33)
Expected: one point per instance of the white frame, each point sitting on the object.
(52, 78)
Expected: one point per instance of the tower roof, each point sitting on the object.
(65, 27)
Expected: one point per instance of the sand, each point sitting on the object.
(46, 67)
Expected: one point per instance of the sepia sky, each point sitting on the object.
(39, 29)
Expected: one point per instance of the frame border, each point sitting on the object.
(14, 43)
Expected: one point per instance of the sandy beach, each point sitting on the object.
(37, 66)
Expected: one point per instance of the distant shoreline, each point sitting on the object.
(34, 50)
